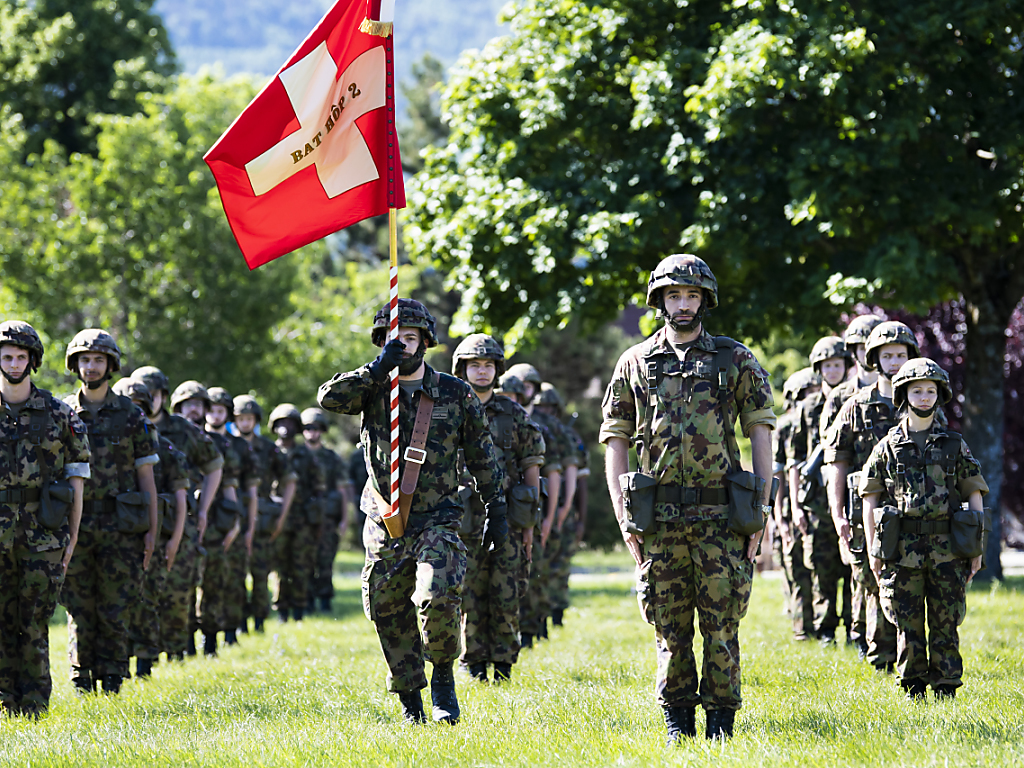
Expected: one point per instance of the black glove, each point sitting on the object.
(495, 525)
(387, 360)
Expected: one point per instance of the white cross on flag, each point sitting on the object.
(316, 151)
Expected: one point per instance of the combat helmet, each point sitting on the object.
(548, 395)
(189, 390)
(526, 373)
(478, 346)
(21, 334)
(827, 347)
(889, 332)
(285, 411)
(135, 391)
(511, 384)
(411, 314)
(248, 404)
(859, 329)
(920, 369)
(220, 396)
(153, 378)
(682, 269)
(93, 340)
(798, 382)
(315, 417)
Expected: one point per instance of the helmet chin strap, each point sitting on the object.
(485, 388)
(96, 384)
(925, 413)
(698, 318)
(19, 379)
(410, 365)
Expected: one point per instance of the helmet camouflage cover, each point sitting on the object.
(548, 395)
(920, 369)
(411, 314)
(315, 417)
(220, 396)
(526, 373)
(827, 347)
(859, 329)
(93, 340)
(682, 269)
(511, 384)
(798, 382)
(23, 335)
(153, 378)
(285, 411)
(189, 390)
(478, 346)
(247, 404)
(889, 332)
(135, 391)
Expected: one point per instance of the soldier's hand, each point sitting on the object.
(387, 360)
(528, 543)
(634, 544)
(495, 525)
(69, 552)
(975, 567)
(801, 520)
(845, 533)
(752, 544)
(844, 552)
(876, 567)
(148, 545)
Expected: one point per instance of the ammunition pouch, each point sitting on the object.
(466, 497)
(225, 515)
(132, 512)
(267, 513)
(887, 533)
(967, 533)
(54, 502)
(638, 500)
(854, 503)
(523, 507)
(745, 492)
(314, 511)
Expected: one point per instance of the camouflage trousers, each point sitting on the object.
(259, 568)
(235, 588)
(698, 567)
(561, 564)
(103, 582)
(178, 601)
(412, 592)
(879, 632)
(321, 582)
(29, 583)
(216, 590)
(294, 555)
(490, 602)
(822, 559)
(145, 620)
(801, 593)
(934, 594)
(534, 614)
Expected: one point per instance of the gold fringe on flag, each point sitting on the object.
(379, 28)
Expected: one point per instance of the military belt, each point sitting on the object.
(99, 506)
(691, 497)
(924, 526)
(19, 495)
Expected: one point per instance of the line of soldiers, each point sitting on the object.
(92, 487)
(485, 460)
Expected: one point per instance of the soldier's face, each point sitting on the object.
(860, 351)
(480, 372)
(92, 366)
(410, 338)
(286, 428)
(246, 423)
(891, 358)
(833, 370)
(14, 360)
(194, 410)
(922, 394)
(218, 416)
(531, 390)
(312, 435)
(682, 303)
(158, 401)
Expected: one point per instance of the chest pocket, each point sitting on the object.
(874, 417)
(107, 437)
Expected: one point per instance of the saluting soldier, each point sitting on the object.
(412, 584)
(680, 393)
(42, 442)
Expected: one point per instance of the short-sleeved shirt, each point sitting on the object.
(308, 472)
(335, 472)
(171, 473)
(271, 466)
(688, 427)
(65, 449)
(198, 447)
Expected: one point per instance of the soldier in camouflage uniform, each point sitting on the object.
(809, 499)
(799, 592)
(275, 493)
(694, 562)
(206, 467)
(300, 530)
(170, 475)
(321, 580)
(412, 585)
(865, 418)
(104, 578)
(222, 408)
(34, 427)
(925, 471)
(490, 599)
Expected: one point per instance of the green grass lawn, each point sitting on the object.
(313, 694)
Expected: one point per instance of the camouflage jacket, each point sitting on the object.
(308, 472)
(921, 492)
(865, 418)
(783, 430)
(335, 473)
(688, 429)
(518, 440)
(121, 439)
(232, 475)
(66, 453)
(834, 403)
(803, 439)
(553, 451)
(564, 441)
(270, 466)
(458, 422)
(171, 473)
(198, 447)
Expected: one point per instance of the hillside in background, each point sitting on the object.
(257, 36)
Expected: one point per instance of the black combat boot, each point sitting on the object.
(284, 614)
(257, 625)
(175, 656)
(190, 644)
(525, 640)
(914, 689)
(944, 692)
(297, 614)
(210, 644)
(83, 683)
(556, 617)
(325, 605)
(112, 684)
(311, 605)
(719, 725)
(502, 672)
(230, 638)
(442, 694)
(543, 634)
(143, 668)
(478, 671)
(243, 628)
(681, 722)
(412, 707)
(862, 649)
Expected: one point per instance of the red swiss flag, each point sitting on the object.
(316, 151)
